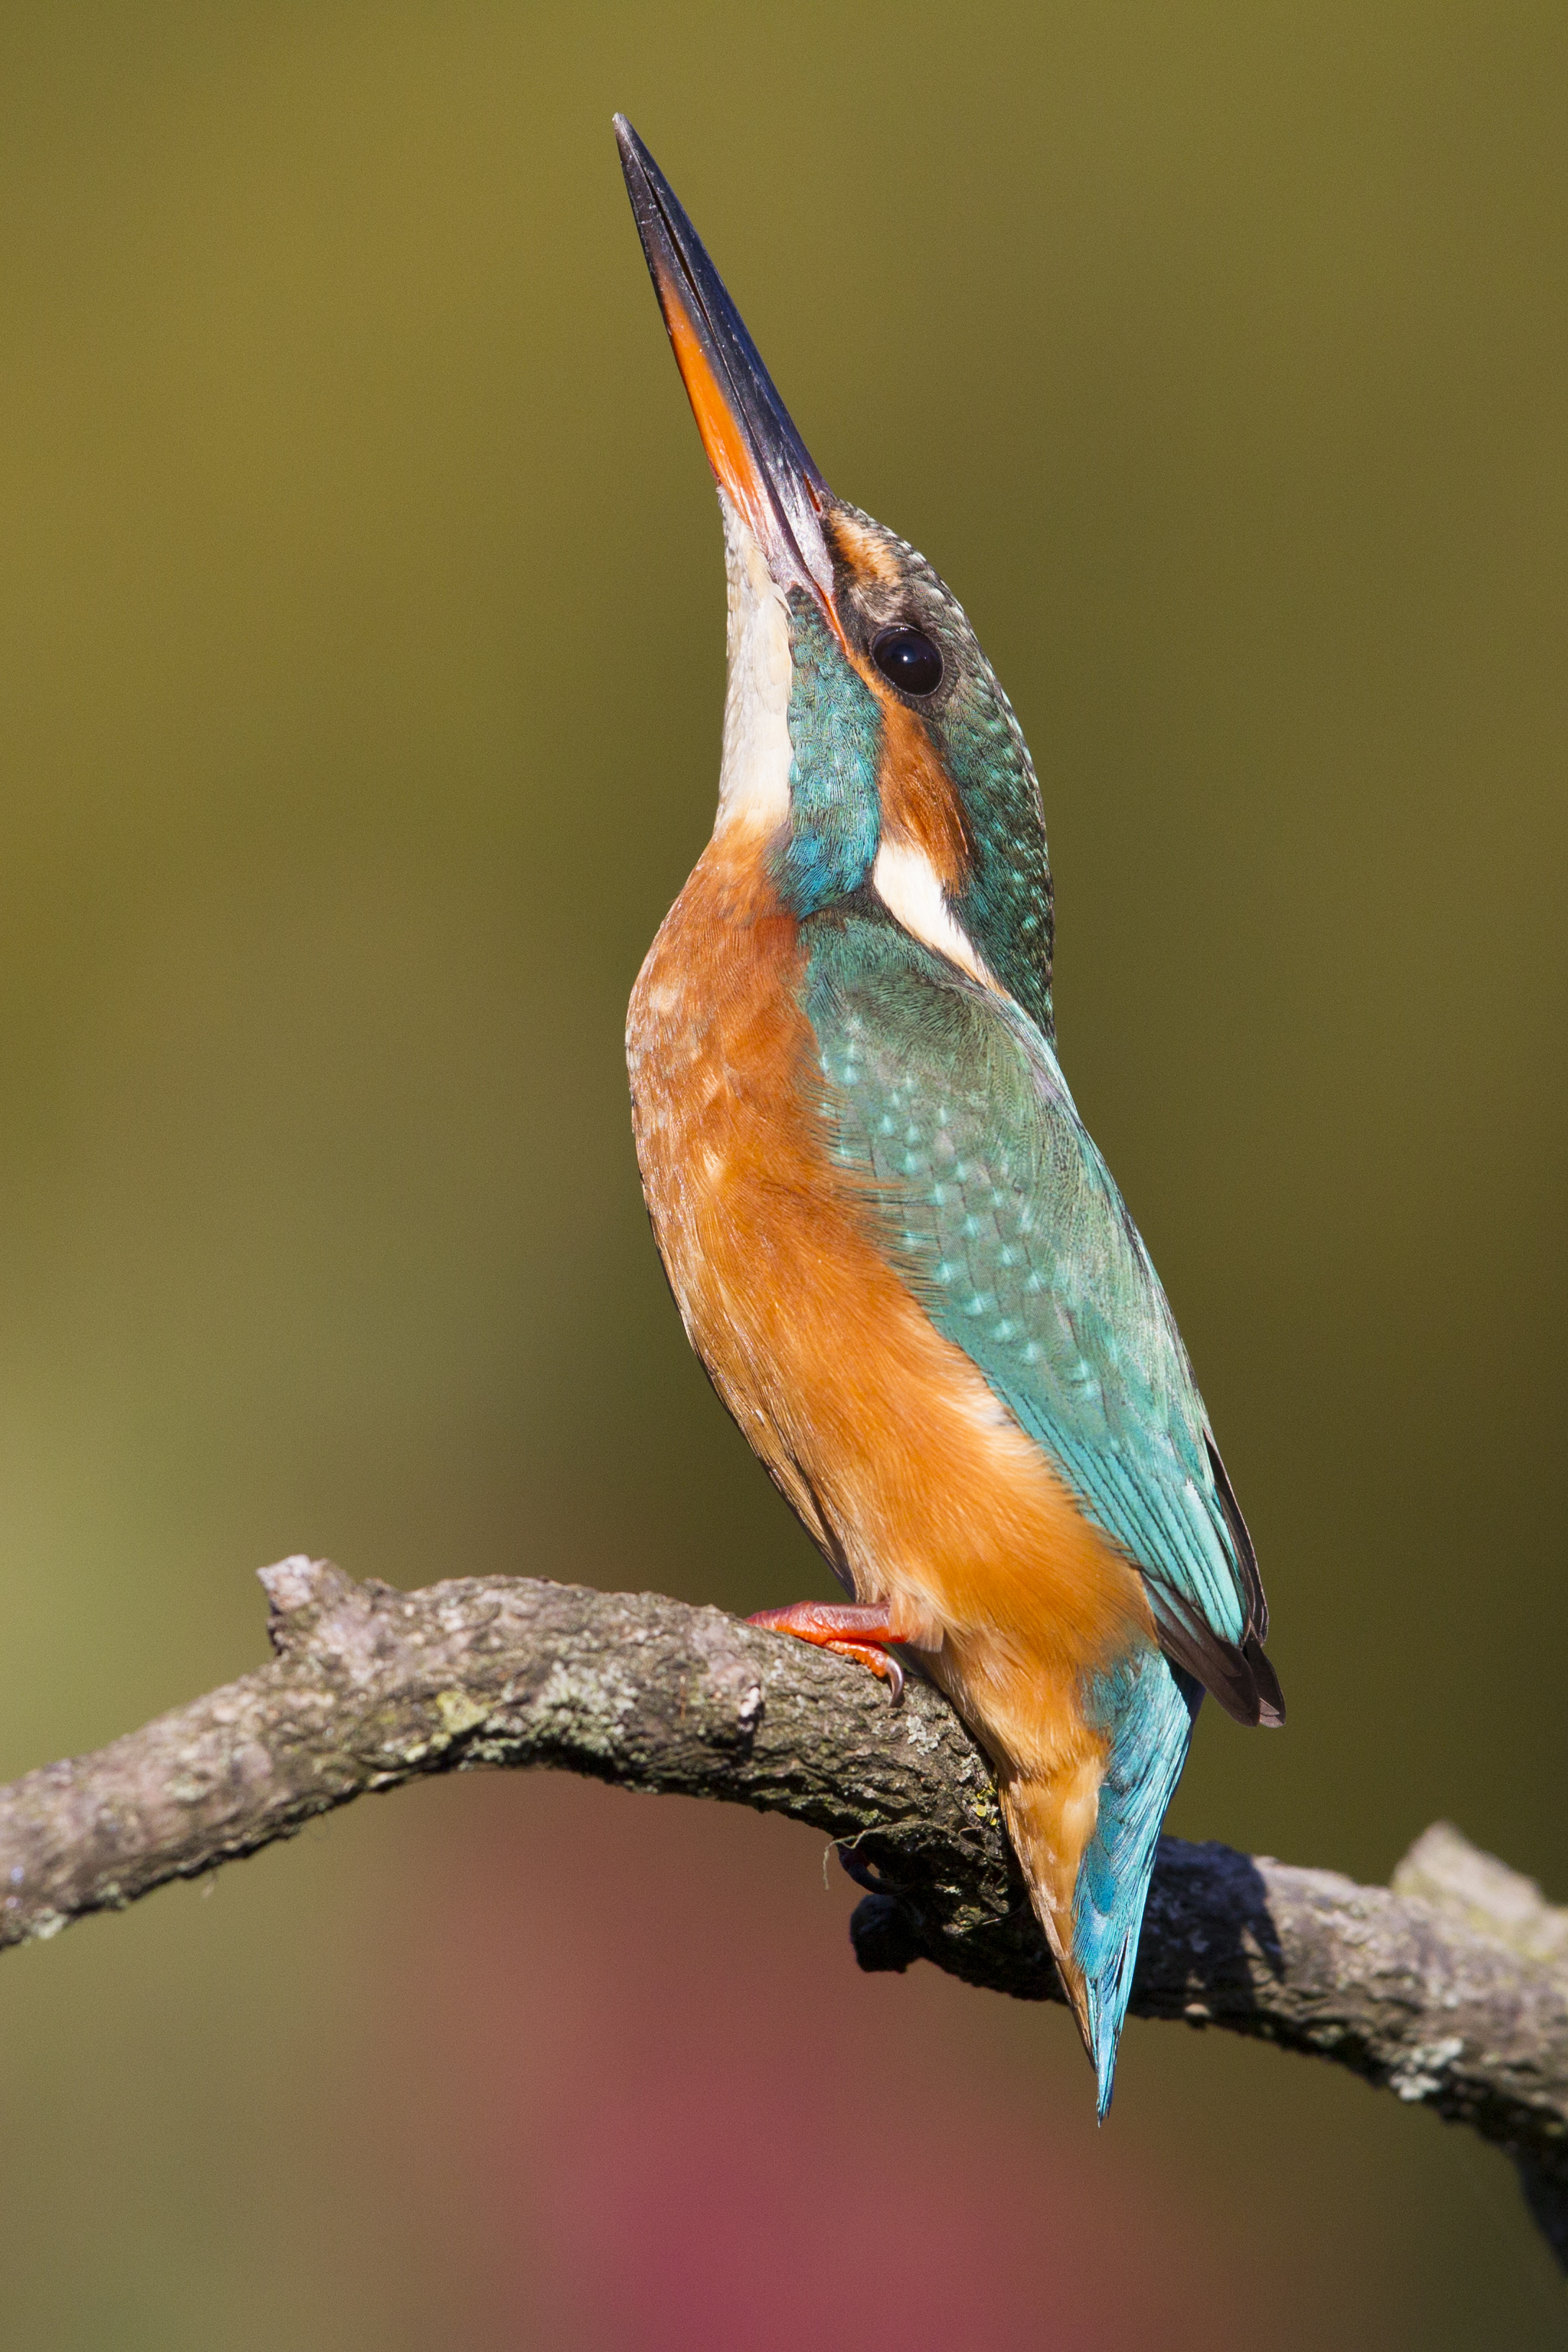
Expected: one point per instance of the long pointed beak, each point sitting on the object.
(759, 458)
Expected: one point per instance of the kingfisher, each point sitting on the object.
(893, 1244)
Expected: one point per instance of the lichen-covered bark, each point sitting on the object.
(1450, 1989)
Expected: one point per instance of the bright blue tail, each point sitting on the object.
(1149, 1707)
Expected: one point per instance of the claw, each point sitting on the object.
(881, 1662)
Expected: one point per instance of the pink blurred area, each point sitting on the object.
(671, 2113)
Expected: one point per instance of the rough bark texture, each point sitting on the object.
(1450, 1987)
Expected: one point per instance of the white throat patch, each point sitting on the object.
(753, 776)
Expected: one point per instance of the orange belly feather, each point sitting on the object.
(882, 1433)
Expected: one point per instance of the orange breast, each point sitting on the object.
(881, 1432)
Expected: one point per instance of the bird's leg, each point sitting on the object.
(854, 1632)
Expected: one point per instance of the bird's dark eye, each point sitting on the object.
(909, 659)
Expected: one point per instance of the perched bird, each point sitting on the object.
(892, 1241)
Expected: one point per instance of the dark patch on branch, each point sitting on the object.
(1449, 1989)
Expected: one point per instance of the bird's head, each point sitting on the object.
(867, 739)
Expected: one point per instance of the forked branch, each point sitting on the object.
(1450, 1989)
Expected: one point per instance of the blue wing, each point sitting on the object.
(1007, 1222)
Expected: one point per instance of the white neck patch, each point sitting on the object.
(909, 887)
(753, 776)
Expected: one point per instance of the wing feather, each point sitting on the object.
(1008, 1225)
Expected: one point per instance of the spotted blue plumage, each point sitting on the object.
(835, 734)
(1009, 1227)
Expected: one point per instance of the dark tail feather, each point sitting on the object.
(1239, 1674)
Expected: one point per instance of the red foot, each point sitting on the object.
(857, 1634)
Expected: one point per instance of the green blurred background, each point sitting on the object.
(361, 630)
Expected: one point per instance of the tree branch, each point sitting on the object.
(1450, 1989)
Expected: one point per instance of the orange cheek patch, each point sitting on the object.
(919, 807)
(919, 803)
